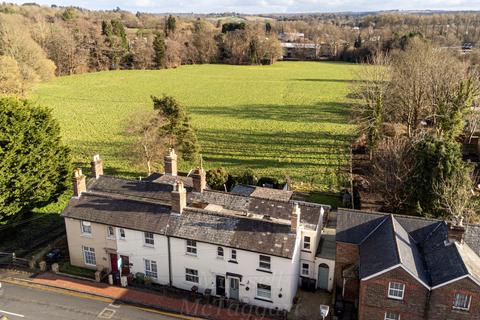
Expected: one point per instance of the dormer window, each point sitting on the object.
(396, 290)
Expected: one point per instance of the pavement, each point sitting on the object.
(308, 306)
(146, 300)
(22, 302)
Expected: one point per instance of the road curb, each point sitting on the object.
(174, 313)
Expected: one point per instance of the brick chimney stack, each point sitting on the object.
(295, 218)
(171, 163)
(79, 182)
(456, 231)
(97, 166)
(199, 180)
(179, 198)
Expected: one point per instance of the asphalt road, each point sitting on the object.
(20, 302)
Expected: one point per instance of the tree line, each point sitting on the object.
(412, 112)
(37, 43)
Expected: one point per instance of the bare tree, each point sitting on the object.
(392, 166)
(371, 85)
(457, 198)
(148, 145)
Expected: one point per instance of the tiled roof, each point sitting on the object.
(310, 212)
(248, 223)
(420, 245)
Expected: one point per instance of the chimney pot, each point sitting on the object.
(170, 163)
(295, 218)
(179, 198)
(199, 180)
(97, 166)
(456, 232)
(79, 182)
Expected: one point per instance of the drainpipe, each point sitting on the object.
(169, 262)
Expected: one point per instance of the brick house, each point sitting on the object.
(401, 267)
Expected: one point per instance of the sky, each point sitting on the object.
(265, 6)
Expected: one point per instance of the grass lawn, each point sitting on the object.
(289, 119)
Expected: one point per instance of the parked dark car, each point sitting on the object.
(53, 256)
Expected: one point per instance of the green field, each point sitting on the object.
(288, 119)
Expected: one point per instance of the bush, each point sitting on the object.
(217, 178)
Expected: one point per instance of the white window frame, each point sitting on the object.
(86, 228)
(264, 262)
(307, 244)
(191, 275)
(120, 234)
(233, 255)
(264, 293)
(151, 269)
(111, 235)
(191, 247)
(147, 240)
(389, 315)
(307, 273)
(394, 288)
(89, 257)
(220, 253)
(465, 297)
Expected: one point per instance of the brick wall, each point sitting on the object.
(347, 254)
(374, 299)
(441, 301)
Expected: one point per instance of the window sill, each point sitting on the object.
(263, 299)
(220, 258)
(151, 246)
(86, 235)
(264, 270)
(306, 251)
(233, 261)
(191, 254)
(123, 239)
(459, 309)
(111, 238)
(395, 298)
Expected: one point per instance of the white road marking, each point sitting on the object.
(106, 313)
(12, 314)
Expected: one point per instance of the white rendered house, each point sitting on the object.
(250, 247)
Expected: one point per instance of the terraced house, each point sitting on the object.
(400, 267)
(254, 244)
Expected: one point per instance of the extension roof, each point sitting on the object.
(418, 245)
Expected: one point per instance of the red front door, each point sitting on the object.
(114, 262)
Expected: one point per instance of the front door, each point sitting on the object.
(234, 285)
(125, 265)
(114, 262)
(220, 286)
(323, 271)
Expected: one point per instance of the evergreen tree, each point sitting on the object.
(358, 42)
(119, 30)
(182, 135)
(159, 50)
(34, 163)
(437, 161)
(171, 25)
(268, 27)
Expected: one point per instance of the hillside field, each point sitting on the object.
(289, 119)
